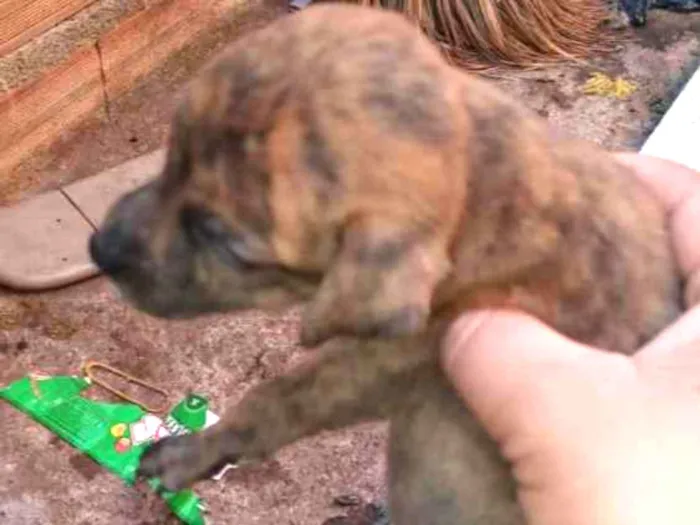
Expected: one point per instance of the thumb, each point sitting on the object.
(513, 370)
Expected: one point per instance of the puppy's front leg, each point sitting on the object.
(352, 382)
(444, 469)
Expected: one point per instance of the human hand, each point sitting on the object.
(593, 437)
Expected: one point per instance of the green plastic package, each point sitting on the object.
(112, 434)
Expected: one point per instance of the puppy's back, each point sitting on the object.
(559, 228)
(371, 119)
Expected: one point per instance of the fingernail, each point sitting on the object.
(460, 333)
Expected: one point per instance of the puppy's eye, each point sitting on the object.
(208, 231)
(202, 224)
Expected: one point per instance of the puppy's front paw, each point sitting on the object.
(182, 460)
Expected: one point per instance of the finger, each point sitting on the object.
(682, 333)
(692, 290)
(508, 332)
(672, 360)
(670, 181)
(678, 187)
(684, 225)
(509, 368)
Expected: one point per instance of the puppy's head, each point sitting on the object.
(282, 185)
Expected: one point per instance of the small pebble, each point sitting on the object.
(347, 500)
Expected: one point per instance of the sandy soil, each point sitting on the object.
(43, 481)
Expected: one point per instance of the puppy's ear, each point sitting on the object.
(381, 283)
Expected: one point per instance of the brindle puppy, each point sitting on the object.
(334, 157)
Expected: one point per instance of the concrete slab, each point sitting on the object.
(43, 241)
(94, 195)
(43, 244)
(677, 137)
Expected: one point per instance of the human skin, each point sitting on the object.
(593, 437)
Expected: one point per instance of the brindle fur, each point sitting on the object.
(335, 158)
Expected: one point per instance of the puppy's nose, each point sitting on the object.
(113, 249)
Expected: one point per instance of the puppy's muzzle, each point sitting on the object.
(115, 249)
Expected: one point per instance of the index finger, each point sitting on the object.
(673, 183)
(678, 188)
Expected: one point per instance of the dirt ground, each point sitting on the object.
(43, 481)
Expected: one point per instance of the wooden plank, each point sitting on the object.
(34, 115)
(22, 20)
(148, 38)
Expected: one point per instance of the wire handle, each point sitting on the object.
(88, 368)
